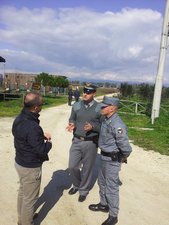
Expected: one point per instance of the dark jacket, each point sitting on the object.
(77, 94)
(30, 144)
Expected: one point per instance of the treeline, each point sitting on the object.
(141, 91)
(53, 81)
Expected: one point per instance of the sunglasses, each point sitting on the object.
(41, 104)
(88, 91)
(103, 107)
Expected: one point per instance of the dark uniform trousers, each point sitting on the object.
(81, 162)
(108, 181)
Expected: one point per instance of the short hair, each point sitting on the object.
(32, 99)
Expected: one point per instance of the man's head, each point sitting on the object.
(109, 106)
(33, 102)
(89, 92)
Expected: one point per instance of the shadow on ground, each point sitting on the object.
(52, 192)
(59, 182)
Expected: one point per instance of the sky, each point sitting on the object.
(108, 40)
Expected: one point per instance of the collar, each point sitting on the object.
(111, 117)
(88, 104)
(31, 115)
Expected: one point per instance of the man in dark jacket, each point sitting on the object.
(70, 96)
(32, 146)
(77, 94)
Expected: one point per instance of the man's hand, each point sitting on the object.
(47, 136)
(70, 127)
(124, 160)
(88, 126)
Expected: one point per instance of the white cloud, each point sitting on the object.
(79, 42)
(135, 50)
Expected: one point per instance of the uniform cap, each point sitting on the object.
(109, 101)
(89, 88)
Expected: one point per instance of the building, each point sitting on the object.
(18, 81)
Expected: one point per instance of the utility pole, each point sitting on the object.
(159, 77)
(2, 60)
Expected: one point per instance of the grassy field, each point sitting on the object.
(144, 134)
(141, 131)
(13, 107)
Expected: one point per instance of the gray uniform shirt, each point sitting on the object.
(113, 136)
(80, 115)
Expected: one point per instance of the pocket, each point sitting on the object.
(37, 173)
(106, 133)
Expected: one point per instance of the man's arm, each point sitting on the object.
(37, 140)
(71, 125)
(122, 143)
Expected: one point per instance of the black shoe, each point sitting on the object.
(35, 216)
(110, 221)
(81, 198)
(99, 207)
(72, 191)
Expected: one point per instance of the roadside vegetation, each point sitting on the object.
(141, 131)
(11, 108)
(144, 134)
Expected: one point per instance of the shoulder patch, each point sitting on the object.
(120, 130)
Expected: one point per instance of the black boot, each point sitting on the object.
(73, 191)
(110, 221)
(99, 207)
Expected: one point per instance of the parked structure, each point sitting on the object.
(18, 81)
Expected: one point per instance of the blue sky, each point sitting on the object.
(98, 5)
(115, 40)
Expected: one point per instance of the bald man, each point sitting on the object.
(32, 146)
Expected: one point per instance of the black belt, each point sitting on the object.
(86, 138)
(115, 156)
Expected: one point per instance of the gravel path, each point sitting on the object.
(144, 193)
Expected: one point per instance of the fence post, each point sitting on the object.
(136, 109)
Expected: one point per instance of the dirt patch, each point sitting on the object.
(144, 193)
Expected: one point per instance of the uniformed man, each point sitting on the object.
(85, 124)
(115, 148)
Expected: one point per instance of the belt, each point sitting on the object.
(86, 138)
(113, 155)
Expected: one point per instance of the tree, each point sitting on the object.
(126, 90)
(146, 91)
(165, 92)
(43, 78)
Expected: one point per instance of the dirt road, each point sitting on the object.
(144, 193)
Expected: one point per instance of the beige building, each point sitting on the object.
(18, 81)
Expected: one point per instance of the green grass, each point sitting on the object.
(10, 108)
(133, 120)
(154, 139)
(13, 107)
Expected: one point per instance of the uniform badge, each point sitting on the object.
(119, 130)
